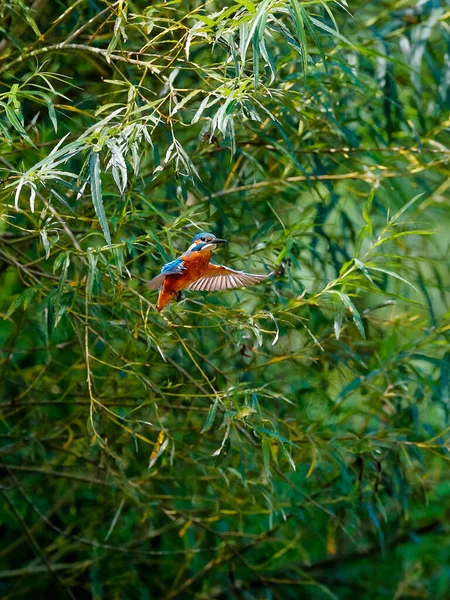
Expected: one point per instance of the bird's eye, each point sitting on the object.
(203, 239)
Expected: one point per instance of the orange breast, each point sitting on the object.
(195, 264)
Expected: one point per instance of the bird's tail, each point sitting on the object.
(164, 298)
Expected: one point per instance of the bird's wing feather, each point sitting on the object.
(175, 267)
(218, 277)
(156, 282)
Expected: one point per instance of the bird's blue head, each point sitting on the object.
(205, 241)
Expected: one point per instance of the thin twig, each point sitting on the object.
(33, 543)
(78, 48)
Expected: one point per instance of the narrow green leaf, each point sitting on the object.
(405, 207)
(256, 55)
(361, 266)
(92, 271)
(97, 199)
(338, 320)
(31, 22)
(330, 14)
(276, 435)
(205, 103)
(15, 122)
(6, 134)
(45, 242)
(115, 519)
(312, 31)
(182, 102)
(23, 299)
(62, 280)
(288, 456)
(300, 31)
(333, 32)
(396, 275)
(52, 115)
(266, 452)
(207, 20)
(248, 4)
(260, 15)
(354, 311)
(268, 58)
(211, 416)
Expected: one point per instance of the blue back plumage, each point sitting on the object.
(174, 267)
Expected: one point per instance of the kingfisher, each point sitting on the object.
(194, 270)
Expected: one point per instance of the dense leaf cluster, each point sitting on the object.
(289, 440)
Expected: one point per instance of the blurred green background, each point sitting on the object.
(290, 440)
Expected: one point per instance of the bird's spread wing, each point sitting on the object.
(218, 277)
(175, 267)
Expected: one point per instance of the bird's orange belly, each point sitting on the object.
(196, 265)
(176, 283)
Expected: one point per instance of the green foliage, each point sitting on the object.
(288, 440)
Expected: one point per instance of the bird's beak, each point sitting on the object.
(218, 241)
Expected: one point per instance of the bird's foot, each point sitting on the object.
(178, 296)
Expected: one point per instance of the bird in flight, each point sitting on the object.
(194, 271)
